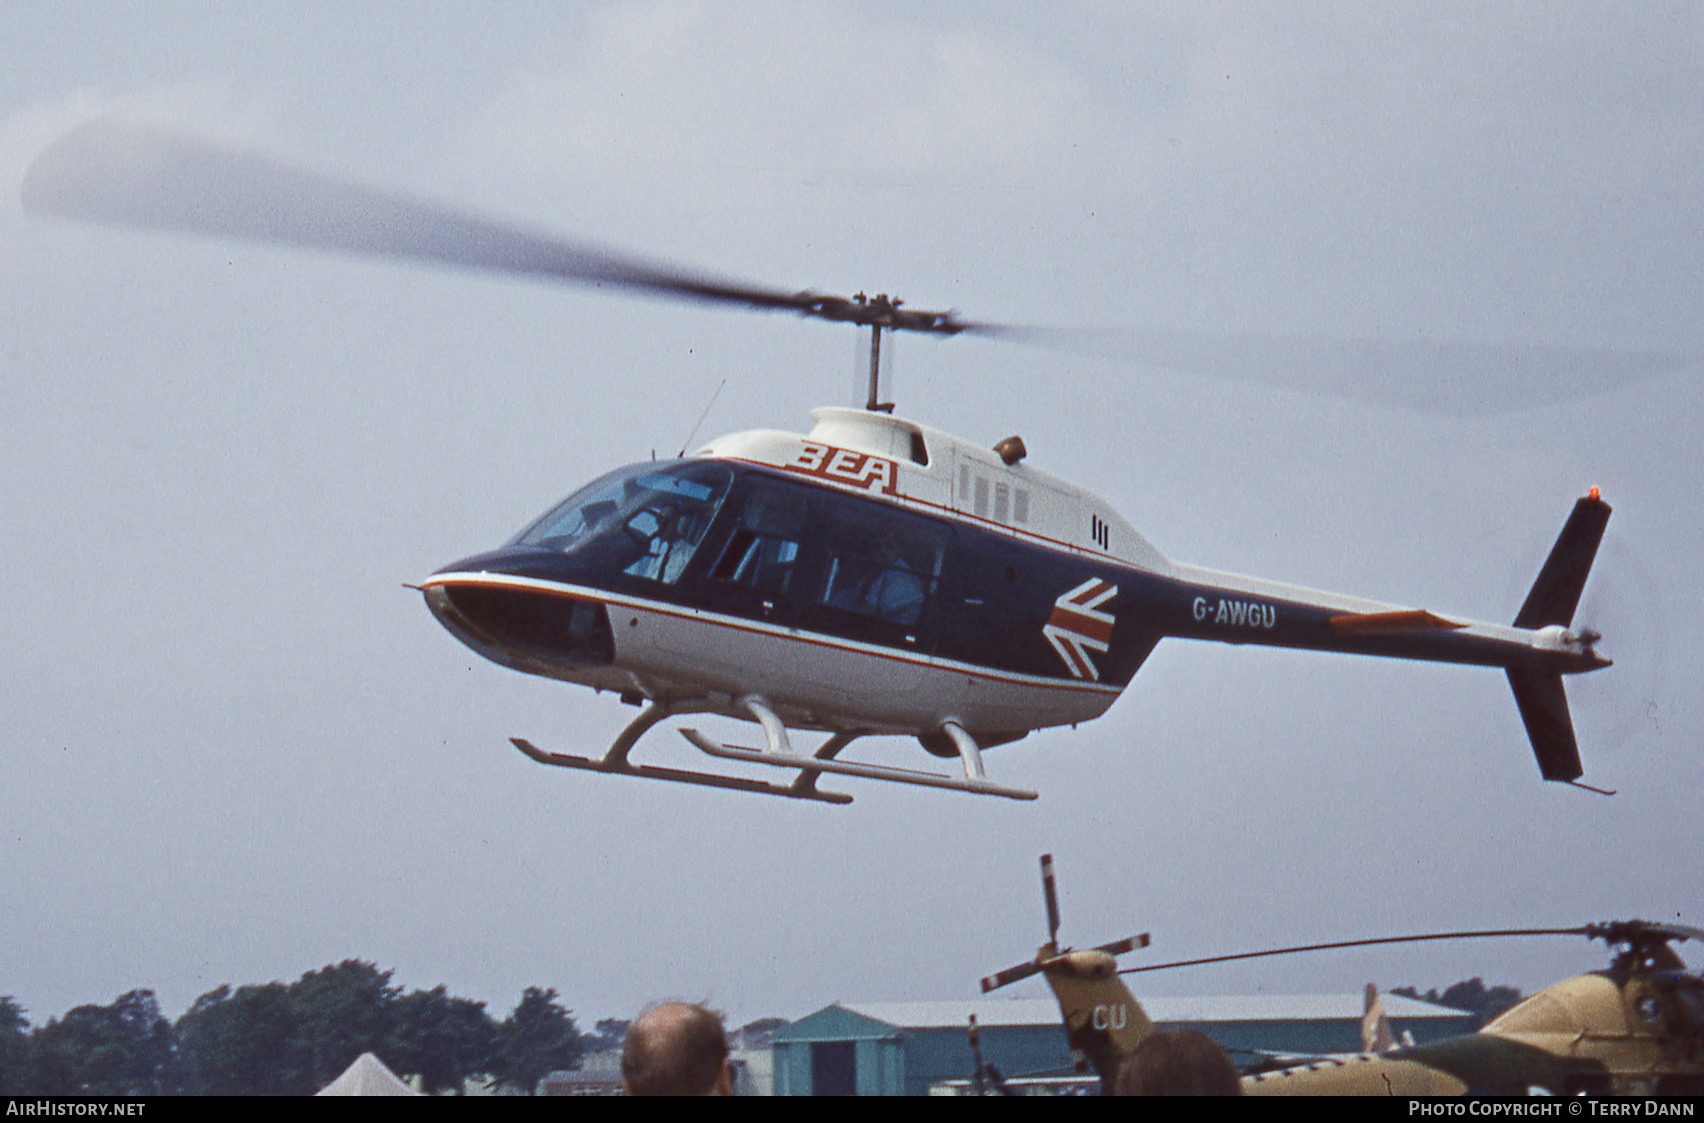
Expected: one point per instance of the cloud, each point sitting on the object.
(820, 85)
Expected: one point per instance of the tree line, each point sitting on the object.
(283, 1040)
(1472, 995)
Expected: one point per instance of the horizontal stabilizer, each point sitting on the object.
(1556, 593)
(1544, 708)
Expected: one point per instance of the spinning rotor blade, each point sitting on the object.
(1623, 614)
(129, 175)
(1456, 379)
(111, 172)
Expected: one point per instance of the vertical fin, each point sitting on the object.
(1554, 596)
(1544, 708)
(1556, 593)
(1376, 1036)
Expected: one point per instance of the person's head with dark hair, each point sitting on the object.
(676, 1049)
(1177, 1063)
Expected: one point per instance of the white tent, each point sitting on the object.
(368, 1076)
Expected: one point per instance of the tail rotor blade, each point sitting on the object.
(1052, 899)
(1119, 947)
(1009, 975)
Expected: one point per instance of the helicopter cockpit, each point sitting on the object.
(708, 535)
(646, 520)
(778, 543)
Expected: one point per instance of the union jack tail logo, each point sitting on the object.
(1077, 626)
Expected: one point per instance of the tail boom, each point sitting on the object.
(1535, 651)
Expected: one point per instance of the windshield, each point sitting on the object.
(647, 519)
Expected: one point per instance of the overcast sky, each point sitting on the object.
(236, 748)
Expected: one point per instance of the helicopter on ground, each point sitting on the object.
(1103, 1020)
(871, 577)
(1634, 1028)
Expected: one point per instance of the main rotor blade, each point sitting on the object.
(1458, 379)
(109, 171)
(1360, 944)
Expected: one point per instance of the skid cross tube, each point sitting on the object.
(778, 753)
(615, 761)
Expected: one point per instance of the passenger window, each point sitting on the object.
(763, 549)
(884, 567)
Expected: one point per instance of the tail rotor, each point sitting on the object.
(1103, 1020)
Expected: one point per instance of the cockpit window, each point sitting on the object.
(1690, 1006)
(648, 519)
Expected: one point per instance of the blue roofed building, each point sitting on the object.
(910, 1048)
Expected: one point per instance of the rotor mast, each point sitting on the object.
(872, 404)
(881, 312)
(878, 313)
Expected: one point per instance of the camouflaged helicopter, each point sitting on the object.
(871, 577)
(1634, 1028)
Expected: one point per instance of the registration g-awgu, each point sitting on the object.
(873, 576)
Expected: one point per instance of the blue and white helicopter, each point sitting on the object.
(872, 576)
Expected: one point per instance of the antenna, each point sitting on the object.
(701, 417)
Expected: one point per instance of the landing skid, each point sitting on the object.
(778, 753)
(679, 776)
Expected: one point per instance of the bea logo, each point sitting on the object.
(843, 466)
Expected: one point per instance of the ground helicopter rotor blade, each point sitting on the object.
(1589, 931)
(1642, 934)
(113, 172)
(1009, 975)
(1052, 894)
(1130, 943)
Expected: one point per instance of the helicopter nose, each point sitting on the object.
(506, 606)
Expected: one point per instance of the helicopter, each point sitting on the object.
(1635, 1028)
(871, 577)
